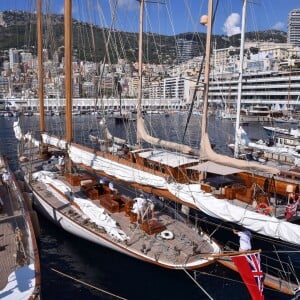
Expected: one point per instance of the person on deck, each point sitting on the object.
(61, 163)
(245, 239)
(6, 179)
(113, 190)
(291, 208)
(138, 208)
(150, 208)
(1, 205)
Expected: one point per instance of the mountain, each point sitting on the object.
(18, 30)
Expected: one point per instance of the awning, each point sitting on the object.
(211, 167)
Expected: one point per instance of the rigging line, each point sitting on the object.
(107, 41)
(280, 262)
(197, 83)
(293, 271)
(87, 284)
(197, 283)
(193, 99)
(282, 251)
(91, 29)
(195, 33)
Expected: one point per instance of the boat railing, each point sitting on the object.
(278, 268)
(271, 264)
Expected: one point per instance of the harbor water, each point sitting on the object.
(73, 268)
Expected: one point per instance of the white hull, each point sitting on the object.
(291, 132)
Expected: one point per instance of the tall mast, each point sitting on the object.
(40, 65)
(238, 107)
(207, 68)
(140, 68)
(68, 68)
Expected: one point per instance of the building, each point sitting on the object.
(14, 57)
(294, 27)
(168, 88)
(186, 50)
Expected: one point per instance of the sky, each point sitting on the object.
(171, 16)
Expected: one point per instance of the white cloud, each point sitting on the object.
(279, 26)
(231, 25)
(61, 10)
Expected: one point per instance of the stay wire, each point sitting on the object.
(197, 83)
(197, 283)
(87, 284)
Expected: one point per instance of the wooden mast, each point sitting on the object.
(68, 68)
(238, 108)
(40, 65)
(207, 68)
(140, 69)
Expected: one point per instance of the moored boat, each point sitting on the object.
(75, 200)
(19, 258)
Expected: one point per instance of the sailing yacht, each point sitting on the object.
(86, 205)
(228, 189)
(70, 184)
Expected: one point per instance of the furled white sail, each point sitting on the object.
(124, 172)
(26, 137)
(17, 130)
(109, 136)
(87, 208)
(54, 141)
(263, 224)
(161, 143)
(206, 153)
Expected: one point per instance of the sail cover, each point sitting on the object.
(206, 153)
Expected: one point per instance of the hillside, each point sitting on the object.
(18, 30)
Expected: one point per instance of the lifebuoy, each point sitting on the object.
(263, 208)
(167, 235)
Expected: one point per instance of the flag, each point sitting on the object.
(249, 268)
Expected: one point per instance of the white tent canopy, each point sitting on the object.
(211, 167)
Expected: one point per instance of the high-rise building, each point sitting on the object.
(186, 50)
(294, 27)
(14, 57)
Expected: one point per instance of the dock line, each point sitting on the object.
(87, 284)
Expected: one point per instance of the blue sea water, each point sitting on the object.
(73, 268)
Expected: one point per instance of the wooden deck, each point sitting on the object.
(17, 240)
(10, 218)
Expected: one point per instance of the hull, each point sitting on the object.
(107, 220)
